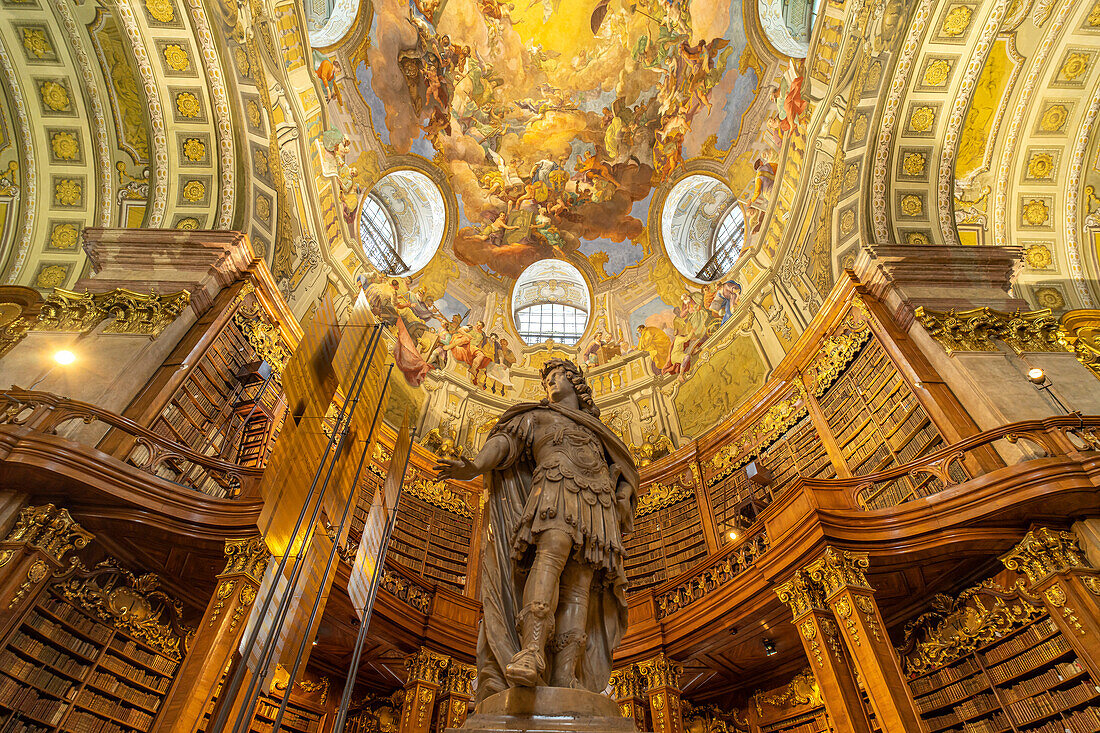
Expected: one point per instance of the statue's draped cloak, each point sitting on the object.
(503, 576)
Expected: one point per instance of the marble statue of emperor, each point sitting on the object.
(562, 490)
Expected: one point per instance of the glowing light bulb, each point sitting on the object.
(1036, 375)
(64, 357)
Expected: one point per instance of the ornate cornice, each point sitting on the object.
(248, 557)
(130, 312)
(837, 569)
(426, 666)
(802, 594)
(660, 671)
(978, 328)
(1043, 552)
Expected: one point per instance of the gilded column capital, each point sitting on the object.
(51, 530)
(627, 682)
(802, 594)
(660, 671)
(1043, 552)
(460, 679)
(247, 556)
(426, 666)
(837, 569)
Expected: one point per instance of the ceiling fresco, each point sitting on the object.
(554, 120)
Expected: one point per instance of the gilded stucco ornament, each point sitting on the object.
(976, 329)
(1040, 166)
(957, 20)
(1080, 333)
(922, 119)
(660, 671)
(176, 57)
(935, 74)
(710, 579)
(406, 590)
(129, 312)
(438, 494)
(803, 689)
(913, 164)
(427, 666)
(1038, 257)
(1054, 118)
(248, 557)
(1035, 212)
(1044, 552)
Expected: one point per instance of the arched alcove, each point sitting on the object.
(690, 217)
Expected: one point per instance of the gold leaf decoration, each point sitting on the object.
(54, 95)
(194, 191)
(161, 10)
(187, 104)
(64, 236)
(1038, 257)
(1054, 118)
(1040, 165)
(194, 149)
(64, 145)
(36, 43)
(922, 119)
(176, 57)
(1036, 212)
(957, 21)
(913, 164)
(935, 74)
(68, 192)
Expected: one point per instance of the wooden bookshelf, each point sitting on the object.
(300, 716)
(62, 669)
(432, 542)
(878, 422)
(1026, 681)
(812, 721)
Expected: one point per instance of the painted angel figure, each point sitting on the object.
(562, 493)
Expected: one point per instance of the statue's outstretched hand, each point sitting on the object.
(462, 469)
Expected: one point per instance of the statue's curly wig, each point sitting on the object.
(576, 376)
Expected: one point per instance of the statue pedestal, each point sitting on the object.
(546, 710)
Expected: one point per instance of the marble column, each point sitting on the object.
(831, 665)
(427, 673)
(1059, 573)
(662, 687)
(852, 601)
(629, 688)
(217, 637)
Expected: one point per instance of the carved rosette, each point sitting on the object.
(1043, 552)
(802, 594)
(427, 667)
(837, 569)
(248, 557)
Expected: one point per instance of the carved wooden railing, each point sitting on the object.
(946, 467)
(46, 413)
(715, 572)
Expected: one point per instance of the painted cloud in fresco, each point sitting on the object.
(556, 117)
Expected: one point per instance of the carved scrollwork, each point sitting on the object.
(802, 594)
(406, 591)
(264, 338)
(51, 530)
(978, 328)
(837, 569)
(661, 496)
(801, 690)
(755, 440)
(438, 494)
(627, 683)
(660, 671)
(713, 577)
(248, 556)
(956, 627)
(1080, 333)
(1043, 552)
(132, 603)
(425, 665)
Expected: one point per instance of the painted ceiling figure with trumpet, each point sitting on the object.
(562, 493)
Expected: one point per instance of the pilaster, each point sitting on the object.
(427, 673)
(1059, 573)
(662, 686)
(629, 689)
(850, 597)
(217, 638)
(455, 696)
(831, 666)
(32, 552)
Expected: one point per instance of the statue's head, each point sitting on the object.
(560, 374)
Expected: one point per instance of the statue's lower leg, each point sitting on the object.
(570, 641)
(540, 600)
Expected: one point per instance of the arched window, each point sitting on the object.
(401, 222)
(689, 220)
(379, 238)
(729, 237)
(551, 301)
